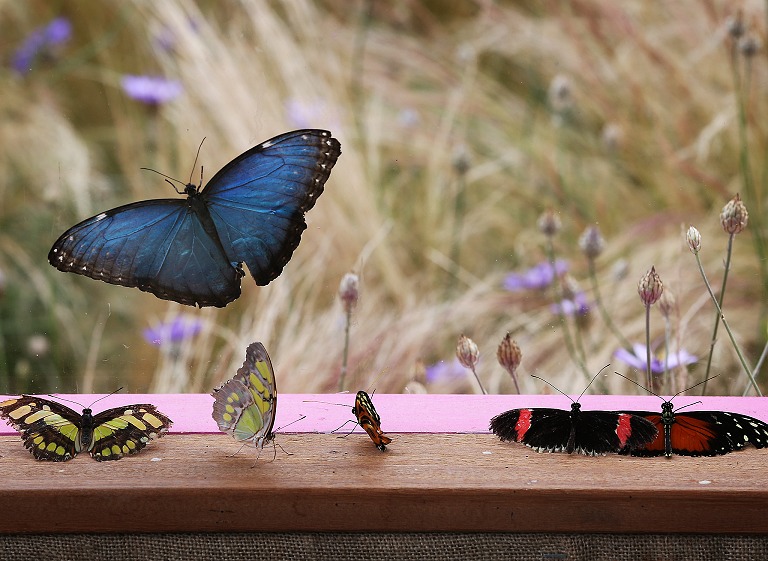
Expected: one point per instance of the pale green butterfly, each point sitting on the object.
(245, 406)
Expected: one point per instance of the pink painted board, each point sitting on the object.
(402, 413)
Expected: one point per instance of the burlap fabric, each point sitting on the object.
(388, 547)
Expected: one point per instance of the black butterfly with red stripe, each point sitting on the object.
(698, 433)
(592, 433)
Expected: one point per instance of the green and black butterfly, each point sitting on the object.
(245, 406)
(54, 432)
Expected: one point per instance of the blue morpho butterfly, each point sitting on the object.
(191, 250)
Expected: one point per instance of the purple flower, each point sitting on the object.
(303, 115)
(165, 39)
(537, 277)
(40, 42)
(445, 371)
(637, 358)
(307, 115)
(180, 328)
(578, 306)
(152, 90)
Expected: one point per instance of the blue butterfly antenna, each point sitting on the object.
(674, 396)
(565, 394)
(195, 164)
(80, 404)
(169, 179)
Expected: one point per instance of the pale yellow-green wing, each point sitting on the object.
(244, 407)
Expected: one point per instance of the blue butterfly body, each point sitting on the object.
(191, 250)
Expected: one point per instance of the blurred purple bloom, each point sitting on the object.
(311, 114)
(152, 90)
(637, 359)
(578, 306)
(165, 39)
(41, 41)
(304, 115)
(445, 371)
(180, 328)
(408, 118)
(537, 277)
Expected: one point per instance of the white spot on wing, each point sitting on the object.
(266, 144)
(101, 216)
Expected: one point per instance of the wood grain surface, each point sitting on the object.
(423, 482)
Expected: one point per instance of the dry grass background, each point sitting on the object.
(648, 144)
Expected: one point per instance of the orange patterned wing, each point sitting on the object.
(369, 419)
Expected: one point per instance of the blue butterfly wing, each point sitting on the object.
(190, 250)
(257, 201)
(159, 246)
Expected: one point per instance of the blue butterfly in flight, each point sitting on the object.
(191, 250)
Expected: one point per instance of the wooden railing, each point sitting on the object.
(442, 472)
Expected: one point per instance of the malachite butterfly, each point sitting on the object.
(244, 407)
(54, 432)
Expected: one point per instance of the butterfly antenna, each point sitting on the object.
(695, 385)
(195, 164)
(106, 396)
(684, 406)
(80, 404)
(593, 379)
(551, 384)
(65, 399)
(325, 402)
(565, 394)
(639, 385)
(168, 179)
(279, 429)
(674, 396)
(376, 379)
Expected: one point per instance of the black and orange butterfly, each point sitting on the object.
(54, 432)
(368, 418)
(698, 433)
(591, 433)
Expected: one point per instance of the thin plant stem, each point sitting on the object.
(667, 383)
(459, 209)
(760, 361)
(6, 381)
(345, 354)
(601, 306)
(750, 194)
(517, 385)
(357, 65)
(569, 344)
(479, 383)
(728, 329)
(717, 316)
(648, 376)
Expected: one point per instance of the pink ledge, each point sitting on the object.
(435, 413)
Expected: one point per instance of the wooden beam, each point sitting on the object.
(423, 482)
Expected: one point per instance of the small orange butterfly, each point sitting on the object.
(369, 419)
